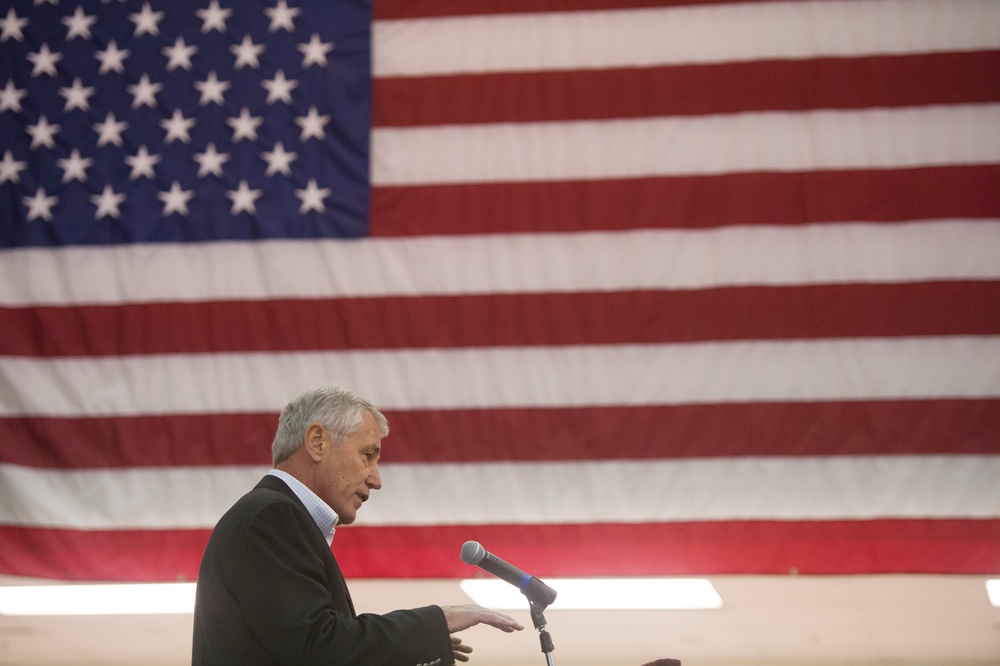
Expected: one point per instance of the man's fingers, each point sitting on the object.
(501, 621)
(459, 649)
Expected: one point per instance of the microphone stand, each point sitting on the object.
(543, 636)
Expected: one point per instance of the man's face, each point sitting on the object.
(348, 471)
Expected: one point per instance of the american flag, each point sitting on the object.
(644, 287)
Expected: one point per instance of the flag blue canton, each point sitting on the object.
(133, 122)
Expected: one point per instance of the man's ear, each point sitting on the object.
(313, 441)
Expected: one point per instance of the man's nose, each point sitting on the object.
(374, 479)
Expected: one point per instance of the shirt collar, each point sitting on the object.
(323, 515)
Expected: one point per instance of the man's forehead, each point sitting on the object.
(372, 438)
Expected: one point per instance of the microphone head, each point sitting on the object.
(473, 553)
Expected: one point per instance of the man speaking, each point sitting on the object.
(269, 588)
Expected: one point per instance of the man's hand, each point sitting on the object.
(463, 617)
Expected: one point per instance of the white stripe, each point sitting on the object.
(707, 34)
(666, 146)
(827, 488)
(794, 370)
(528, 263)
(672, 490)
(127, 498)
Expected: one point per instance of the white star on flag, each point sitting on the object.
(178, 127)
(40, 205)
(211, 89)
(146, 21)
(10, 169)
(179, 55)
(10, 98)
(279, 88)
(244, 199)
(142, 163)
(213, 18)
(247, 53)
(77, 96)
(312, 124)
(210, 161)
(282, 17)
(107, 203)
(44, 61)
(314, 51)
(312, 197)
(42, 133)
(176, 199)
(245, 126)
(78, 25)
(144, 92)
(278, 160)
(74, 167)
(11, 27)
(112, 58)
(110, 131)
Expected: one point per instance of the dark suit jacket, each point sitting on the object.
(270, 592)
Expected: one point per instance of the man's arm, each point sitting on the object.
(283, 592)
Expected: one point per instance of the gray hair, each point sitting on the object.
(337, 409)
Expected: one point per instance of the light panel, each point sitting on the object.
(993, 590)
(110, 599)
(602, 594)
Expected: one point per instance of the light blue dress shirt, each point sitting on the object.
(326, 518)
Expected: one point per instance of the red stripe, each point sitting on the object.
(636, 317)
(138, 441)
(790, 85)
(681, 549)
(407, 9)
(687, 201)
(668, 549)
(697, 431)
(102, 555)
(483, 435)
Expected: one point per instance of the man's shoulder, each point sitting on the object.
(269, 497)
(271, 489)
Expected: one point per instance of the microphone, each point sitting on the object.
(537, 592)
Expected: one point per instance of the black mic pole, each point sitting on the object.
(538, 619)
(539, 594)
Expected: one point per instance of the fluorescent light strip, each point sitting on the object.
(602, 593)
(993, 591)
(114, 599)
